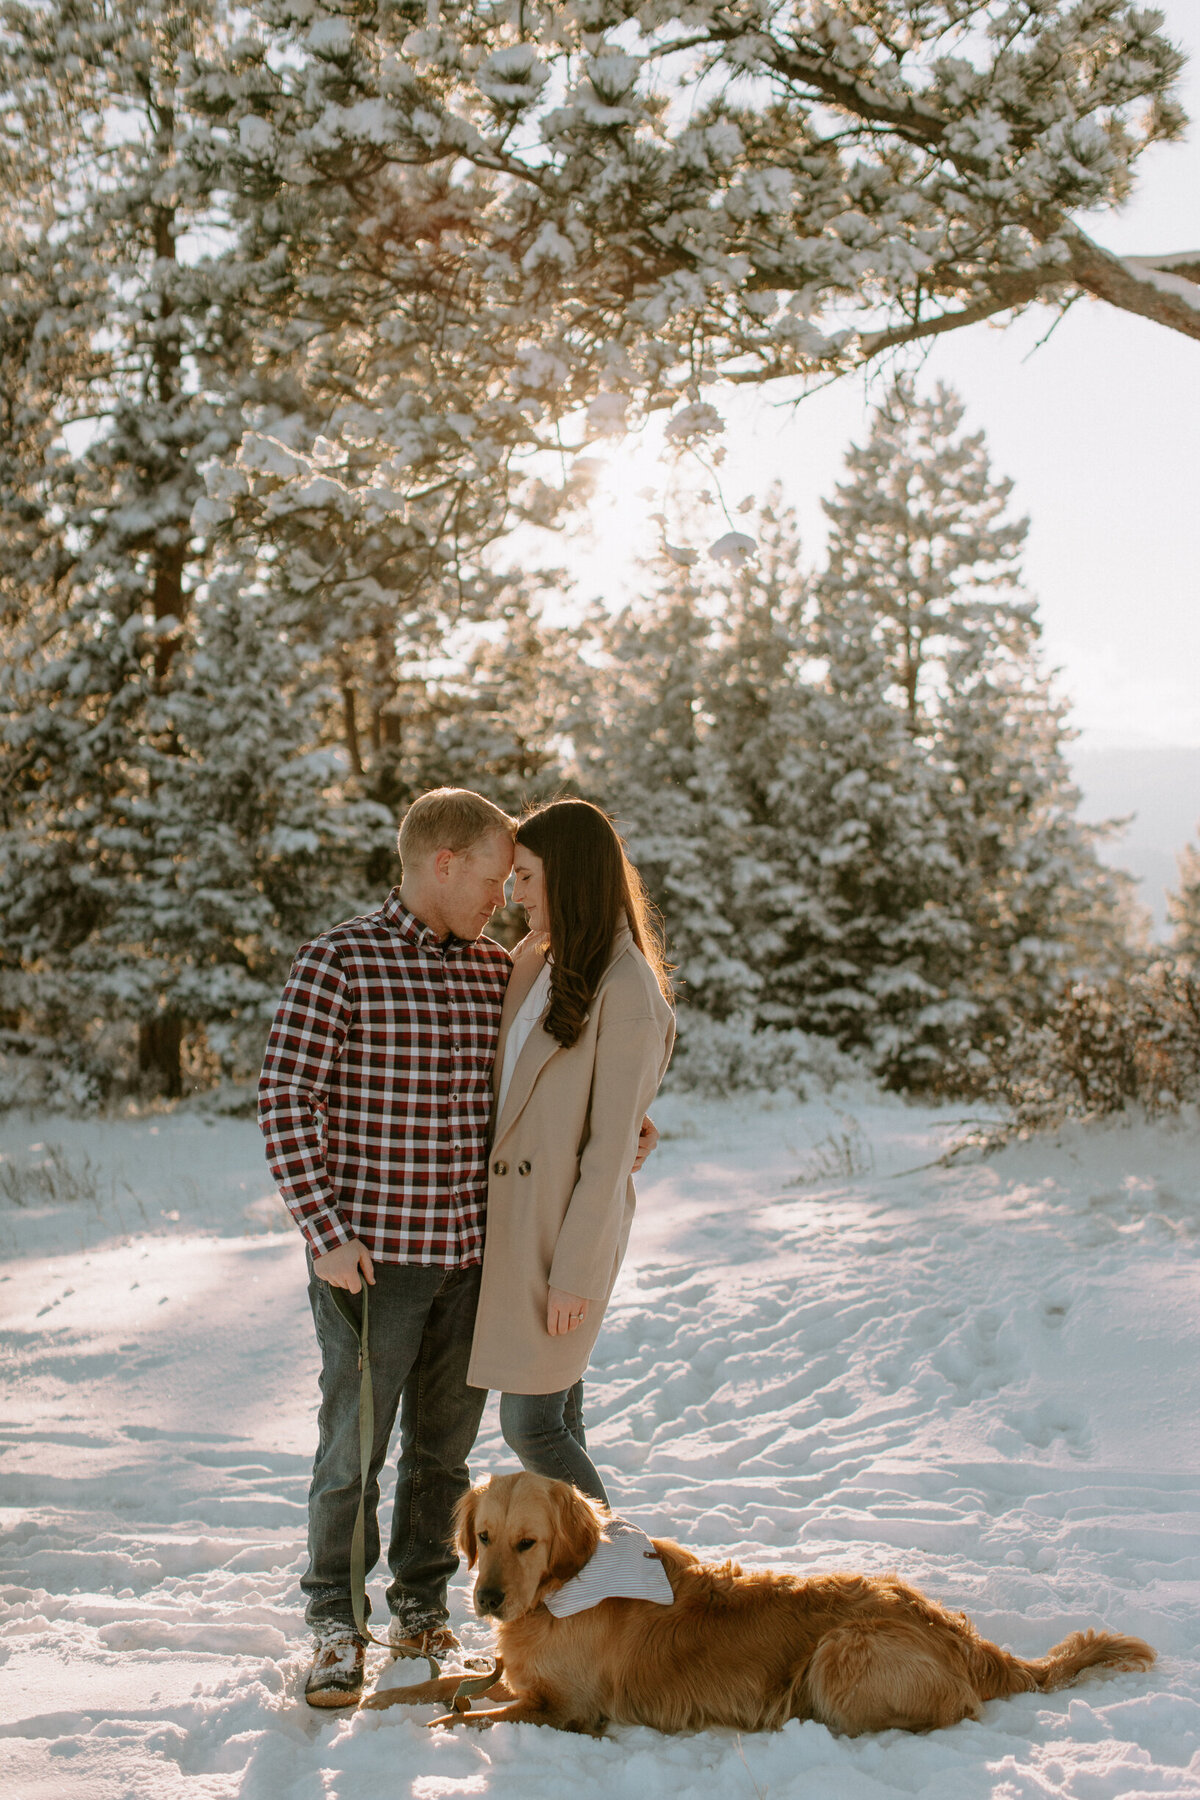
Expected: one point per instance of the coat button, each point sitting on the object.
(499, 1168)
(523, 1168)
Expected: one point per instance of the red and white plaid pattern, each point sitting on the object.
(376, 1093)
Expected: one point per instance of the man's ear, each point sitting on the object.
(464, 1526)
(578, 1528)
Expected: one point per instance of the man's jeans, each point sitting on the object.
(421, 1325)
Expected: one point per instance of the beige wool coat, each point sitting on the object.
(560, 1192)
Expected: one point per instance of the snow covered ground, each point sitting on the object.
(821, 1355)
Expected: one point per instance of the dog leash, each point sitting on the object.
(473, 1686)
(366, 1442)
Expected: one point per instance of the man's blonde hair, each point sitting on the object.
(449, 819)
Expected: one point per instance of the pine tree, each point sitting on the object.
(755, 694)
(784, 812)
(918, 531)
(262, 844)
(492, 710)
(840, 860)
(922, 548)
(644, 749)
(160, 719)
(1184, 908)
(1042, 908)
(110, 372)
(874, 955)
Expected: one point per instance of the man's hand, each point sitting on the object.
(564, 1312)
(340, 1267)
(647, 1139)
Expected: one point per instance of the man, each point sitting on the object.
(375, 1102)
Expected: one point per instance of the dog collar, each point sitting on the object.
(626, 1566)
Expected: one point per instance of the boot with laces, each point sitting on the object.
(336, 1676)
(437, 1643)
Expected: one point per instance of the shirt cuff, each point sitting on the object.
(324, 1230)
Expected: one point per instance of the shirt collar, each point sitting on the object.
(413, 930)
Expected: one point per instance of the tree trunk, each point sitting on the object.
(350, 722)
(160, 1044)
(169, 600)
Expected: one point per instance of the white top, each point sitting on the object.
(526, 1017)
(626, 1566)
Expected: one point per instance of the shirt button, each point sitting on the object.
(499, 1168)
(523, 1168)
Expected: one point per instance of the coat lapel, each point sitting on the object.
(539, 1046)
(536, 1052)
(524, 974)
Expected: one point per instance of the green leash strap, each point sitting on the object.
(473, 1686)
(366, 1443)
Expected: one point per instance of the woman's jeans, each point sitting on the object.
(422, 1320)
(546, 1431)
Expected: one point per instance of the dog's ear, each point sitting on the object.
(464, 1525)
(578, 1528)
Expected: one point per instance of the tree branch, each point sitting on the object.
(1016, 290)
(1164, 288)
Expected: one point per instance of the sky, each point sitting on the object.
(1099, 428)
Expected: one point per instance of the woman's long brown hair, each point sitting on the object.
(592, 889)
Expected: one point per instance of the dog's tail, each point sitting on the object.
(998, 1673)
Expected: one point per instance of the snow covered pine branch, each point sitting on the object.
(640, 197)
(471, 239)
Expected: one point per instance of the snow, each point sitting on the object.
(550, 246)
(983, 1376)
(733, 548)
(698, 420)
(257, 136)
(1179, 286)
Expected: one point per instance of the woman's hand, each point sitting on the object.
(647, 1139)
(564, 1312)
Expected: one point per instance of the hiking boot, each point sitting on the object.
(437, 1643)
(336, 1676)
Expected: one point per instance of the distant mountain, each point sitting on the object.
(1160, 785)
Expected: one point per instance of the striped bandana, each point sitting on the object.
(626, 1566)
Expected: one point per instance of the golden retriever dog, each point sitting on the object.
(745, 1651)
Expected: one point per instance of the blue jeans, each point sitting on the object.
(422, 1320)
(546, 1431)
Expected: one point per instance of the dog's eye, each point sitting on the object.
(526, 1543)
(483, 1538)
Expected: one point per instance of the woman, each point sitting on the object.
(585, 1037)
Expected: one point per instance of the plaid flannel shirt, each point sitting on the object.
(375, 1096)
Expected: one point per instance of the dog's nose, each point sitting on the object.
(488, 1600)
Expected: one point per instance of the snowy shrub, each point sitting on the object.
(716, 1057)
(51, 1179)
(1134, 1042)
(844, 1151)
(232, 1052)
(46, 1075)
(98, 1065)
(230, 1100)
